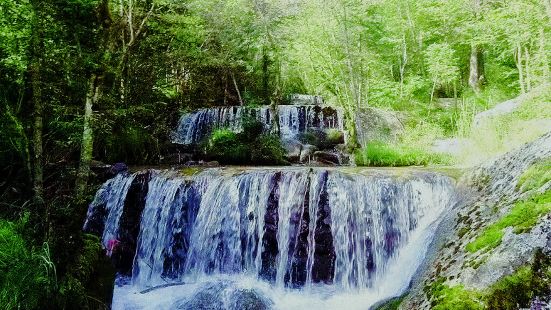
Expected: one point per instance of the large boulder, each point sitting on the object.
(490, 191)
(377, 125)
(224, 295)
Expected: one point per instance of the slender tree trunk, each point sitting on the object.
(92, 98)
(543, 56)
(265, 77)
(519, 67)
(547, 4)
(403, 63)
(237, 89)
(475, 70)
(87, 144)
(528, 69)
(38, 105)
(432, 91)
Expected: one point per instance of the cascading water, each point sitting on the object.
(282, 239)
(293, 119)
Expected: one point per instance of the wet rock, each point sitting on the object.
(326, 157)
(123, 254)
(307, 152)
(377, 125)
(224, 296)
(176, 158)
(213, 163)
(293, 149)
(208, 297)
(299, 99)
(118, 168)
(247, 299)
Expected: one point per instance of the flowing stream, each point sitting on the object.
(267, 238)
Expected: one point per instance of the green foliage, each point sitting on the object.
(522, 217)
(226, 147)
(89, 279)
(441, 63)
(27, 275)
(381, 154)
(250, 145)
(267, 150)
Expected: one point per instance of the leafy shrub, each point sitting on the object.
(89, 280)
(27, 276)
(381, 154)
(267, 150)
(251, 146)
(523, 216)
(227, 147)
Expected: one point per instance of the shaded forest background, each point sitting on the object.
(106, 80)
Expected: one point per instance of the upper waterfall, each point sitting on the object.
(287, 228)
(291, 119)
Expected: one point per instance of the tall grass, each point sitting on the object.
(380, 154)
(27, 275)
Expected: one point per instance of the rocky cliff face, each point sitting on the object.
(467, 255)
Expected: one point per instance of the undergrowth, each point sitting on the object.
(27, 275)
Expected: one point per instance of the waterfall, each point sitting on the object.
(293, 119)
(107, 207)
(293, 231)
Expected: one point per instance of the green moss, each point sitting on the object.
(523, 216)
(444, 297)
(392, 304)
(519, 288)
(189, 171)
(380, 154)
(536, 176)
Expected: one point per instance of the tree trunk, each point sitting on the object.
(547, 4)
(237, 89)
(543, 56)
(475, 69)
(519, 67)
(265, 77)
(38, 107)
(86, 146)
(528, 69)
(432, 92)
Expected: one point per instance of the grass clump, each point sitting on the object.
(27, 275)
(380, 154)
(536, 176)
(523, 216)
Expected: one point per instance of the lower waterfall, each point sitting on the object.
(266, 238)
